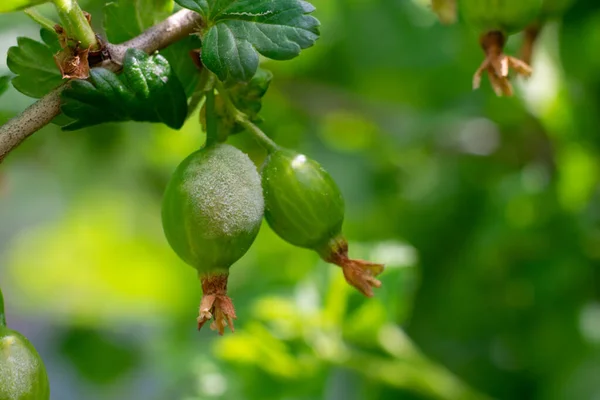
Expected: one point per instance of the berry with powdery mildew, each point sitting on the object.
(212, 211)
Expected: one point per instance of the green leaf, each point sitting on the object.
(178, 56)
(247, 97)
(200, 6)
(33, 63)
(4, 83)
(15, 5)
(147, 90)
(125, 19)
(50, 38)
(240, 30)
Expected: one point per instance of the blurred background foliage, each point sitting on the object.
(486, 211)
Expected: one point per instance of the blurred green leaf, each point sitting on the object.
(98, 357)
(130, 274)
(15, 5)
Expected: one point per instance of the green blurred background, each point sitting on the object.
(486, 211)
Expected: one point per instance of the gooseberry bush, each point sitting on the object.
(160, 61)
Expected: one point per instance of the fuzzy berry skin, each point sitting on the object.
(213, 208)
(303, 204)
(506, 16)
(22, 372)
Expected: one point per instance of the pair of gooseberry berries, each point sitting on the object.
(214, 205)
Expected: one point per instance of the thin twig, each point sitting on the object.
(42, 112)
(171, 30)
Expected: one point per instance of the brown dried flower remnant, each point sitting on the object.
(72, 60)
(497, 64)
(73, 63)
(216, 304)
(358, 273)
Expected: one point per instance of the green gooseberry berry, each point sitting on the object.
(305, 207)
(211, 213)
(22, 372)
(506, 16)
(554, 8)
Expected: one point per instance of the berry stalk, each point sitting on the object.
(76, 24)
(212, 135)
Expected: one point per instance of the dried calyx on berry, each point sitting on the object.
(495, 21)
(305, 207)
